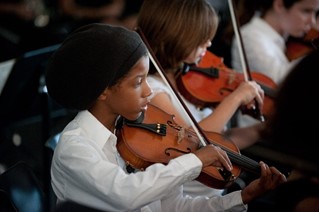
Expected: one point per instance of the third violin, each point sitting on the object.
(298, 47)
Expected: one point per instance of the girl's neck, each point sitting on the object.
(107, 119)
(274, 21)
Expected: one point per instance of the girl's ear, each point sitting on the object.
(104, 94)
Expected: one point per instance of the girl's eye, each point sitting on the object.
(139, 81)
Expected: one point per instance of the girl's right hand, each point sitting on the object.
(212, 155)
(248, 91)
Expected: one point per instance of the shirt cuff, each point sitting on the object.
(191, 164)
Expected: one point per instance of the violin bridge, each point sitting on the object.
(180, 135)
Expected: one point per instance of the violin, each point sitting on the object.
(156, 138)
(210, 81)
(298, 47)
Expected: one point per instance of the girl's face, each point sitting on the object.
(300, 18)
(197, 54)
(130, 97)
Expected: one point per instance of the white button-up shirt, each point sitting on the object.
(87, 168)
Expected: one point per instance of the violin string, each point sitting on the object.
(179, 102)
(245, 162)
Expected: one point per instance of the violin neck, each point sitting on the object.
(244, 162)
(270, 92)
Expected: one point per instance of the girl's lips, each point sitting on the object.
(201, 56)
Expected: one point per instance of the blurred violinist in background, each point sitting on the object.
(300, 46)
(266, 33)
(289, 135)
(22, 24)
(31, 24)
(82, 12)
(179, 32)
(116, 12)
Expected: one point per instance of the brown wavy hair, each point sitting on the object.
(175, 28)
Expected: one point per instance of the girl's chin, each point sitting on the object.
(198, 60)
(193, 61)
(135, 118)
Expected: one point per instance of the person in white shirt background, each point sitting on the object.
(264, 37)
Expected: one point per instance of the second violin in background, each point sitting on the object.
(210, 81)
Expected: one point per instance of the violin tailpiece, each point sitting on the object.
(157, 128)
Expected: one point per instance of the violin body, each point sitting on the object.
(209, 87)
(298, 47)
(156, 138)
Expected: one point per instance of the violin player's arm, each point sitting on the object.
(244, 137)
(217, 121)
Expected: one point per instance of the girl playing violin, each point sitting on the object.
(264, 36)
(180, 32)
(101, 72)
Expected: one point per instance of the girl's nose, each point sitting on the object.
(147, 90)
(208, 43)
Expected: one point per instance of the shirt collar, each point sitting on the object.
(94, 129)
(264, 27)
